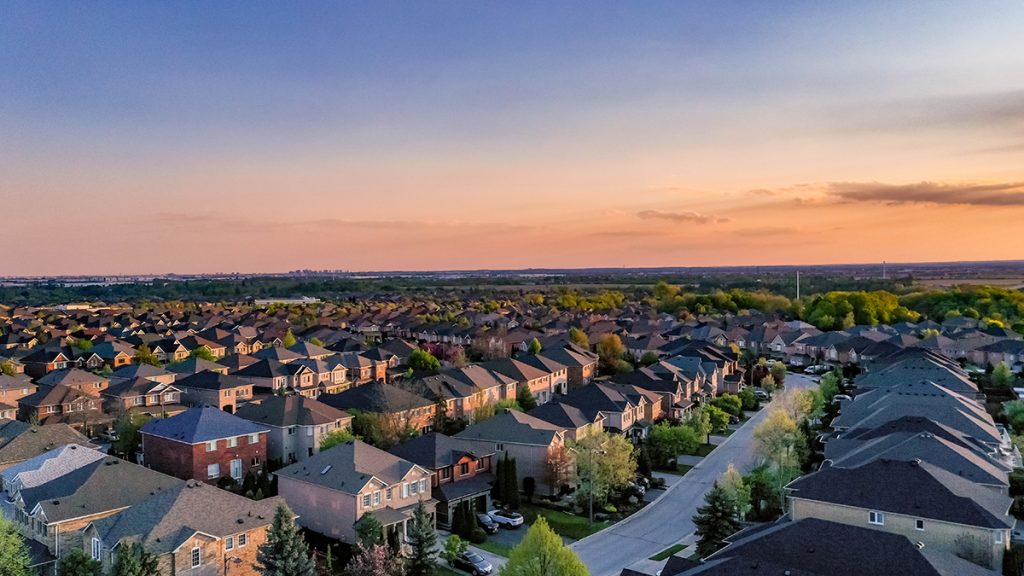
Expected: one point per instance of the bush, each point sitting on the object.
(610, 508)
(477, 535)
(730, 403)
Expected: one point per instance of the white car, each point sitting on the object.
(506, 518)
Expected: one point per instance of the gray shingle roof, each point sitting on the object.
(284, 411)
(201, 424)
(348, 467)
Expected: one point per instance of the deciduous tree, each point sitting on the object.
(335, 437)
(78, 563)
(542, 553)
(376, 560)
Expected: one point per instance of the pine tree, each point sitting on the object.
(78, 563)
(525, 399)
(422, 540)
(715, 522)
(498, 492)
(134, 560)
(458, 520)
(369, 530)
(285, 552)
(511, 485)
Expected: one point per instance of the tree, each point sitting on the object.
(764, 495)
(83, 344)
(317, 342)
(14, 559)
(668, 441)
(797, 404)
(498, 490)
(525, 399)
(335, 437)
(1014, 411)
(829, 386)
(610, 350)
(423, 361)
(649, 358)
(779, 440)
(145, 355)
(78, 563)
(542, 553)
(607, 462)
(453, 548)
(129, 440)
(288, 340)
(511, 489)
(7, 368)
(579, 338)
(749, 399)
(700, 421)
(369, 530)
(715, 521)
(778, 372)
(730, 403)
(377, 560)
(422, 540)
(719, 418)
(535, 347)
(736, 490)
(203, 353)
(284, 553)
(1002, 376)
(134, 560)
(768, 383)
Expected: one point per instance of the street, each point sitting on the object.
(668, 520)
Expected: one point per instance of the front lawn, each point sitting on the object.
(704, 449)
(564, 524)
(671, 550)
(495, 548)
(679, 470)
(443, 570)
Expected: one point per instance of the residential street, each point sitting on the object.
(668, 520)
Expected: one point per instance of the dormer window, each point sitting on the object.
(876, 518)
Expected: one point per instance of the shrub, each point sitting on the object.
(477, 535)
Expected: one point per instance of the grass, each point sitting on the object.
(671, 550)
(443, 570)
(568, 525)
(680, 470)
(727, 432)
(704, 450)
(494, 548)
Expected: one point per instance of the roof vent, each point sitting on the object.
(326, 469)
(55, 502)
(915, 462)
(919, 544)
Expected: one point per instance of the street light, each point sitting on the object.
(590, 476)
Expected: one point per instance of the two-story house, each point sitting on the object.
(214, 389)
(333, 489)
(206, 444)
(402, 408)
(296, 424)
(143, 396)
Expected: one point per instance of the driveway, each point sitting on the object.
(669, 519)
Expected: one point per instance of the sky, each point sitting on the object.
(200, 137)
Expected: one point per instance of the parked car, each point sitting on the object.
(473, 563)
(839, 397)
(734, 419)
(506, 518)
(818, 369)
(487, 523)
(109, 435)
(762, 395)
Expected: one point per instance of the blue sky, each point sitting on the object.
(517, 125)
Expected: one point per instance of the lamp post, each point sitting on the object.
(590, 476)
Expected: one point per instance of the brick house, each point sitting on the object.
(193, 529)
(206, 444)
(209, 388)
(143, 396)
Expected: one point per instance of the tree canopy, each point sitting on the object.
(542, 553)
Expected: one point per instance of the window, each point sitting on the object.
(446, 473)
(405, 490)
(877, 518)
(919, 524)
(243, 539)
(137, 401)
(169, 397)
(309, 431)
(423, 485)
(388, 494)
(376, 498)
(499, 447)
(97, 549)
(197, 557)
(229, 543)
(366, 500)
(211, 446)
(236, 469)
(479, 464)
(254, 438)
(999, 536)
(256, 461)
(415, 488)
(233, 442)
(213, 471)
(227, 393)
(464, 469)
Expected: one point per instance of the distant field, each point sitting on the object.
(1007, 282)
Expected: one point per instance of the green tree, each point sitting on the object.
(422, 540)
(534, 347)
(317, 342)
(335, 437)
(610, 351)
(7, 368)
(700, 421)
(511, 488)
(83, 344)
(134, 560)
(145, 355)
(525, 398)
(1014, 412)
(649, 358)
(542, 553)
(453, 548)
(369, 530)
(736, 490)
(14, 558)
(423, 361)
(285, 552)
(719, 418)
(78, 563)
(731, 403)
(778, 372)
(288, 340)
(129, 440)
(749, 398)
(607, 462)
(768, 384)
(829, 386)
(203, 353)
(715, 521)
(1002, 376)
(579, 338)
(668, 442)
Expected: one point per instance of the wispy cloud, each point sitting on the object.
(681, 217)
(763, 231)
(997, 194)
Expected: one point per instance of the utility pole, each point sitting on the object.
(797, 284)
(884, 272)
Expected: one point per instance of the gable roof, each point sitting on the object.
(294, 410)
(513, 427)
(21, 441)
(435, 450)
(348, 467)
(375, 397)
(201, 424)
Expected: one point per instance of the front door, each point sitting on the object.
(236, 469)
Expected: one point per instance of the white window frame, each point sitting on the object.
(367, 500)
(211, 467)
(233, 442)
(243, 539)
(405, 489)
(211, 446)
(196, 558)
(97, 549)
(254, 438)
(241, 469)
(376, 497)
(919, 525)
(999, 536)
(876, 518)
(229, 543)
(423, 486)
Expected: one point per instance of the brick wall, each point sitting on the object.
(191, 461)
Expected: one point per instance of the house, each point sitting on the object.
(575, 422)
(402, 408)
(114, 354)
(465, 390)
(206, 444)
(54, 513)
(46, 466)
(559, 373)
(63, 404)
(214, 389)
(270, 375)
(20, 441)
(45, 360)
(13, 389)
(146, 371)
(85, 382)
(460, 474)
(296, 425)
(535, 444)
(333, 489)
(581, 364)
(143, 396)
(813, 547)
(196, 365)
(914, 499)
(192, 528)
(622, 414)
(328, 377)
(539, 381)
(360, 368)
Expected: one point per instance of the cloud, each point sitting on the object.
(681, 217)
(760, 232)
(997, 194)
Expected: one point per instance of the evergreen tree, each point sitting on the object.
(525, 399)
(534, 347)
(458, 520)
(498, 491)
(134, 560)
(422, 540)
(715, 521)
(14, 560)
(78, 563)
(511, 485)
(289, 339)
(369, 530)
(285, 552)
(643, 461)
